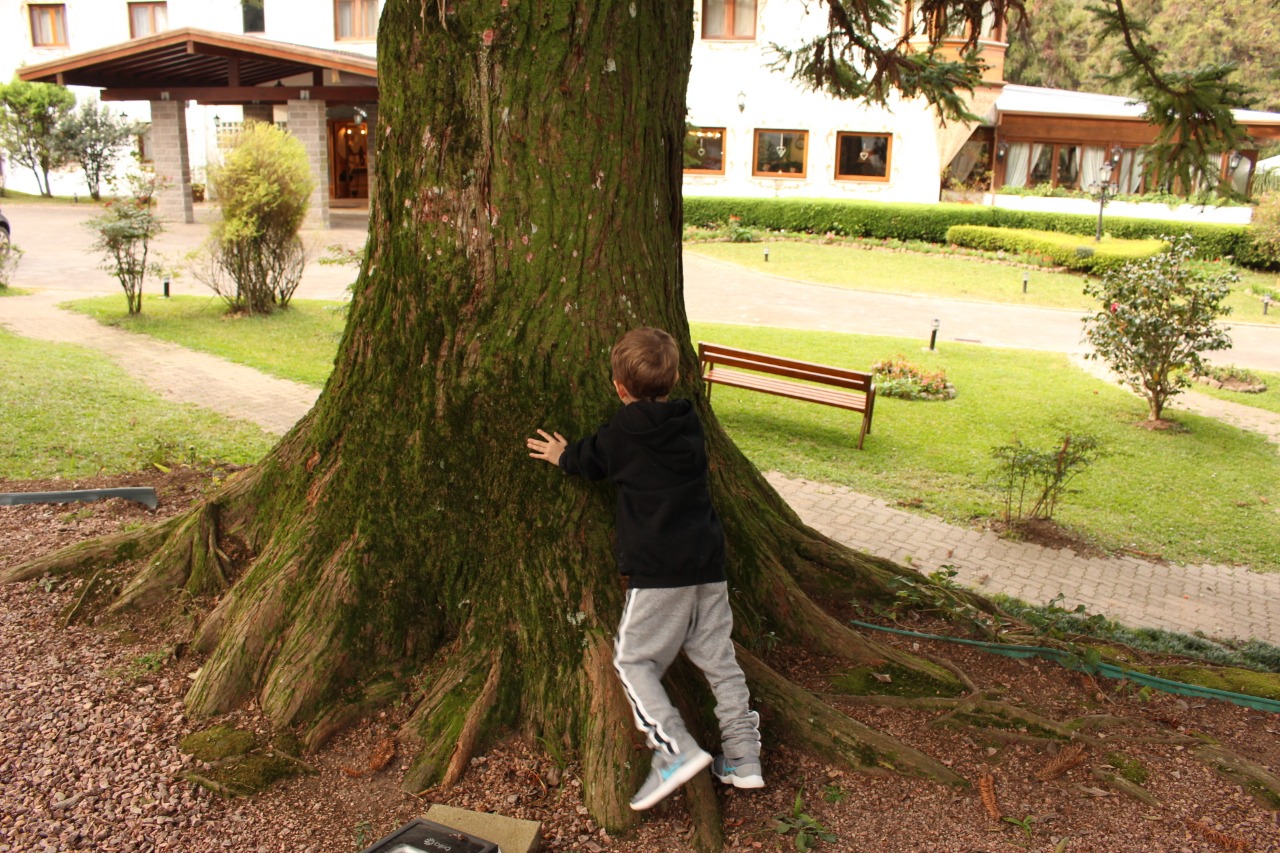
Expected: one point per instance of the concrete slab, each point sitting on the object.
(510, 834)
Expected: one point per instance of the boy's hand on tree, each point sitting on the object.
(548, 448)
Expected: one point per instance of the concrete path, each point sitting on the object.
(1217, 600)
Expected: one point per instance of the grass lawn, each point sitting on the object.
(68, 412)
(297, 344)
(1209, 493)
(860, 267)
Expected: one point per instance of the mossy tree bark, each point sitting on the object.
(527, 211)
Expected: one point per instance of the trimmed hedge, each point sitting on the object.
(929, 222)
(1069, 250)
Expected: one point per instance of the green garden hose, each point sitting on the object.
(1071, 661)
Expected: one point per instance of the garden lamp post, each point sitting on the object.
(1105, 187)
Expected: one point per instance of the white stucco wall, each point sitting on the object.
(1233, 215)
(722, 69)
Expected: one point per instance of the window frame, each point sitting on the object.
(802, 147)
(359, 8)
(729, 21)
(151, 6)
(58, 16)
(723, 136)
(888, 157)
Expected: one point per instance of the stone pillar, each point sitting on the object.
(307, 122)
(259, 112)
(169, 144)
(371, 148)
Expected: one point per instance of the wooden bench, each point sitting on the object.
(845, 389)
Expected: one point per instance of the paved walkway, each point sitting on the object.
(1217, 600)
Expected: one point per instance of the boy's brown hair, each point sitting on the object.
(646, 361)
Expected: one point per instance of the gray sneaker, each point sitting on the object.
(667, 773)
(739, 774)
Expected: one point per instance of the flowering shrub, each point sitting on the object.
(897, 377)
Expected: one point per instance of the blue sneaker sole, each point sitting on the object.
(695, 765)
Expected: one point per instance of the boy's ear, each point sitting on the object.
(623, 393)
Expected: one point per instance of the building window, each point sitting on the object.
(147, 19)
(704, 151)
(356, 19)
(48, 24)
(780, 153)
(728, 19)
(863, 156)
(254, 15)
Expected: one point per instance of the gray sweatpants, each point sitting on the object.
(656, 624)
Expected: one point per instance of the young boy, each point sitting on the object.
(671, 549)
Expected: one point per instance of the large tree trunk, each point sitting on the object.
(528, 210)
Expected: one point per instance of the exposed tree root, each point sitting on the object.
(234, 669)
(608, 744)
(95, 554)
(438, 722)
(1130, 789)
(1001, 718)
(1261, 783)
(69, 616)
(808, 722)
(190, 559)
(472, 725)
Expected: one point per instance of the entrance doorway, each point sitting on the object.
(349, 159)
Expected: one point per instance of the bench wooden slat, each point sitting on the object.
(846, 389)
(782, 388)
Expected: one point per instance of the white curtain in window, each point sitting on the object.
(1017, 161)
(148, 18)
(346, 19)
(1131, 171)
(1046, 174)
(1240, 177)
(47, 25)
(744, 17)
(1091, 160)
(370, 18)
(713, 17)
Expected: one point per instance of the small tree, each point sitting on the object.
(264, 188)
(1265, 227)
(91, 136)
(9, 257)
(29, 117)
(1158, 315)
(125, 230)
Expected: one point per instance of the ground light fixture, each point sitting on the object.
(933, 336)
(1106, 189)
(425, 836)
(766, 254)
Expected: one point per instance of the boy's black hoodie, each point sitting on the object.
(668, 534)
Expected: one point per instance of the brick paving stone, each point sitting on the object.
(1228, 601)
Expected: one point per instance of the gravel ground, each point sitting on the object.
(92, 717)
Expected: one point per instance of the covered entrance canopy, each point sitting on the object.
(172, 68)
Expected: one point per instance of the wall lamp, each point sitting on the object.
(742, 102)
(1001, 150)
